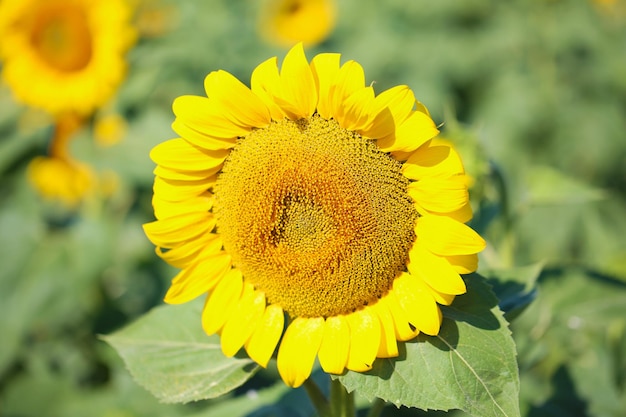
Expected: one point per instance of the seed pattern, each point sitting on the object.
(315, 216)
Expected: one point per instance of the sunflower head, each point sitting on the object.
(286, 22)
(64, 55)
(319, 218)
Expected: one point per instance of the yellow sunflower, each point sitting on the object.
(286, 22)
(64, 55)
(318, 216)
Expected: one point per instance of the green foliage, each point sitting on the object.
(470, 365)
(168, 353)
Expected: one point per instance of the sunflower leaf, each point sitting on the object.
(168, 353)
(470, 365)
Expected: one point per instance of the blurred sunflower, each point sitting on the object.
(320, 218)
(57, 176)
(286, 22)
(64, 55)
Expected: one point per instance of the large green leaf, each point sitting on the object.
(470, 365)
(167, 352)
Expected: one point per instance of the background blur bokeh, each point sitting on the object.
(532, 92)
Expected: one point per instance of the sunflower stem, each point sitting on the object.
(319, 401)
(376, 408)
(341, 401)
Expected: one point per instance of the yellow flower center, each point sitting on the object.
(315, 216)
(61, 36)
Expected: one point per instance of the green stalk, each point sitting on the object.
(317, 397)
(341, 401)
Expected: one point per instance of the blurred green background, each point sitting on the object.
(533, 93)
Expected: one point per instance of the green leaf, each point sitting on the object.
(515, 287)
(168, 353)
(470, 365)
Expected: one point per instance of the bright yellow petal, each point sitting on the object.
(298, 349)
(180, 154)
(412, 133)
(236, 100)
(440, 194)
(222, 301)
(177, 190)
(445, 236)
(243, 320)
(418, 303)
(435, 270)
(198, 278)
(349, 80)
(404, 330)
(441, 298)
(463, 264)
(164, 209)
(356, 109)
(388, 347)
(298, 84)
(265, 337)
(389, 110)
(325, 68)
(208, 117)
(170, 232)
(432, 161)
(187, 252)
(182, 175)
(201, 138)
(265, 83)
(364, 339)
(333, 353)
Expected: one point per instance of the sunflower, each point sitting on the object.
(285, 22)
(319, 218)
(64, 55)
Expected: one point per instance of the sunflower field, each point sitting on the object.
(334, 208)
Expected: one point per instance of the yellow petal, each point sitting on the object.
(236, 100)
(435, 270)
(388, 347)
(349, 80)
(198, 278)
(404, 330)
(441, 298)
(264, 339)
(389, 110)
(183, 175)
(412, 133)
(333, 353)
(298, 349)
(164, 209)
(432, 161)
(265, 83)
(356, 108)
(243, 320)
(325, 68)
(440, 194)
(186, 253)
(170, 232)
(298, 84)
(418, 303)
(222, 301)
(177, 190)
(445, 236)
(208, 117)
(201, 138)
(180, 154)
(364, 339)
(463, 264)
